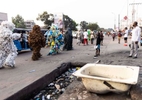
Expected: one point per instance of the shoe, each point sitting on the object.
(95, 56)
(2, 67)
(129, 45)
(48, 54)
(129, 56)
(11, 66)
(134, 57)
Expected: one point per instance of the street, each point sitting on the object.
(28, 71)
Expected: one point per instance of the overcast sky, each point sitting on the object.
(101, 11)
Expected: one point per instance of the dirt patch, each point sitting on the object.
(77, 91)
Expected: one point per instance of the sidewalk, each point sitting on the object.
(27, 72)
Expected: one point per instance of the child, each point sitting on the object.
(98, 41)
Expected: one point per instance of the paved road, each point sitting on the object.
(28, 71)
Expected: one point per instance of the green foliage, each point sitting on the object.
(48, 19)
(83, 25)
(68, 22)
(102, 29)
(18, 21)
(93, 26)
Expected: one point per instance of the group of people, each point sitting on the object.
(36, 40)
(135, 38)
(85, 36)
(55, 39)
(119, 35)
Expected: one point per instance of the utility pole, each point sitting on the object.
(127, 13)
(133, 10)
(114, 21)
(118, 21)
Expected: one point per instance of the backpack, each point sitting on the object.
(119, 34)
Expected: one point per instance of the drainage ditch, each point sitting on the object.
(50, 86)
(57, 87)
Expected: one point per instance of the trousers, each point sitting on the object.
(134, 49)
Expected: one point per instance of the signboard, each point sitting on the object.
(125, 17)
(58, 19)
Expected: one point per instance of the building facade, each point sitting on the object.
(29, 23)
(3, 17)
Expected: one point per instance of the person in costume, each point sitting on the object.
(55, 40)
(36, 42)
(8, 50)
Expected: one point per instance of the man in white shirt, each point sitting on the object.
(126, 35)
(136, 35)
(85, 34)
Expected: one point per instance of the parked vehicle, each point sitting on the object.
(22, 43)
(74, 34)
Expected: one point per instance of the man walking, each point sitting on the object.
(85, 34)
(136, 32)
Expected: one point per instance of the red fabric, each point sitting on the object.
(86, 41)
(119, 34)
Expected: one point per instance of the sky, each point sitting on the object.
(103, 12)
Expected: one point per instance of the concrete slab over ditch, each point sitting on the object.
(25, 93)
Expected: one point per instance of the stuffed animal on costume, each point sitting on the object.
(8, 50)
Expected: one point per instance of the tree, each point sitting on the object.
(74, 24)
(68, 22)
(102, 29)
(18, 21)
(93, 26)
(48, 19)
(83, 25)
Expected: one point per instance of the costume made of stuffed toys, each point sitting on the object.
(56, 40)
(36, 41)
(8, 50)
